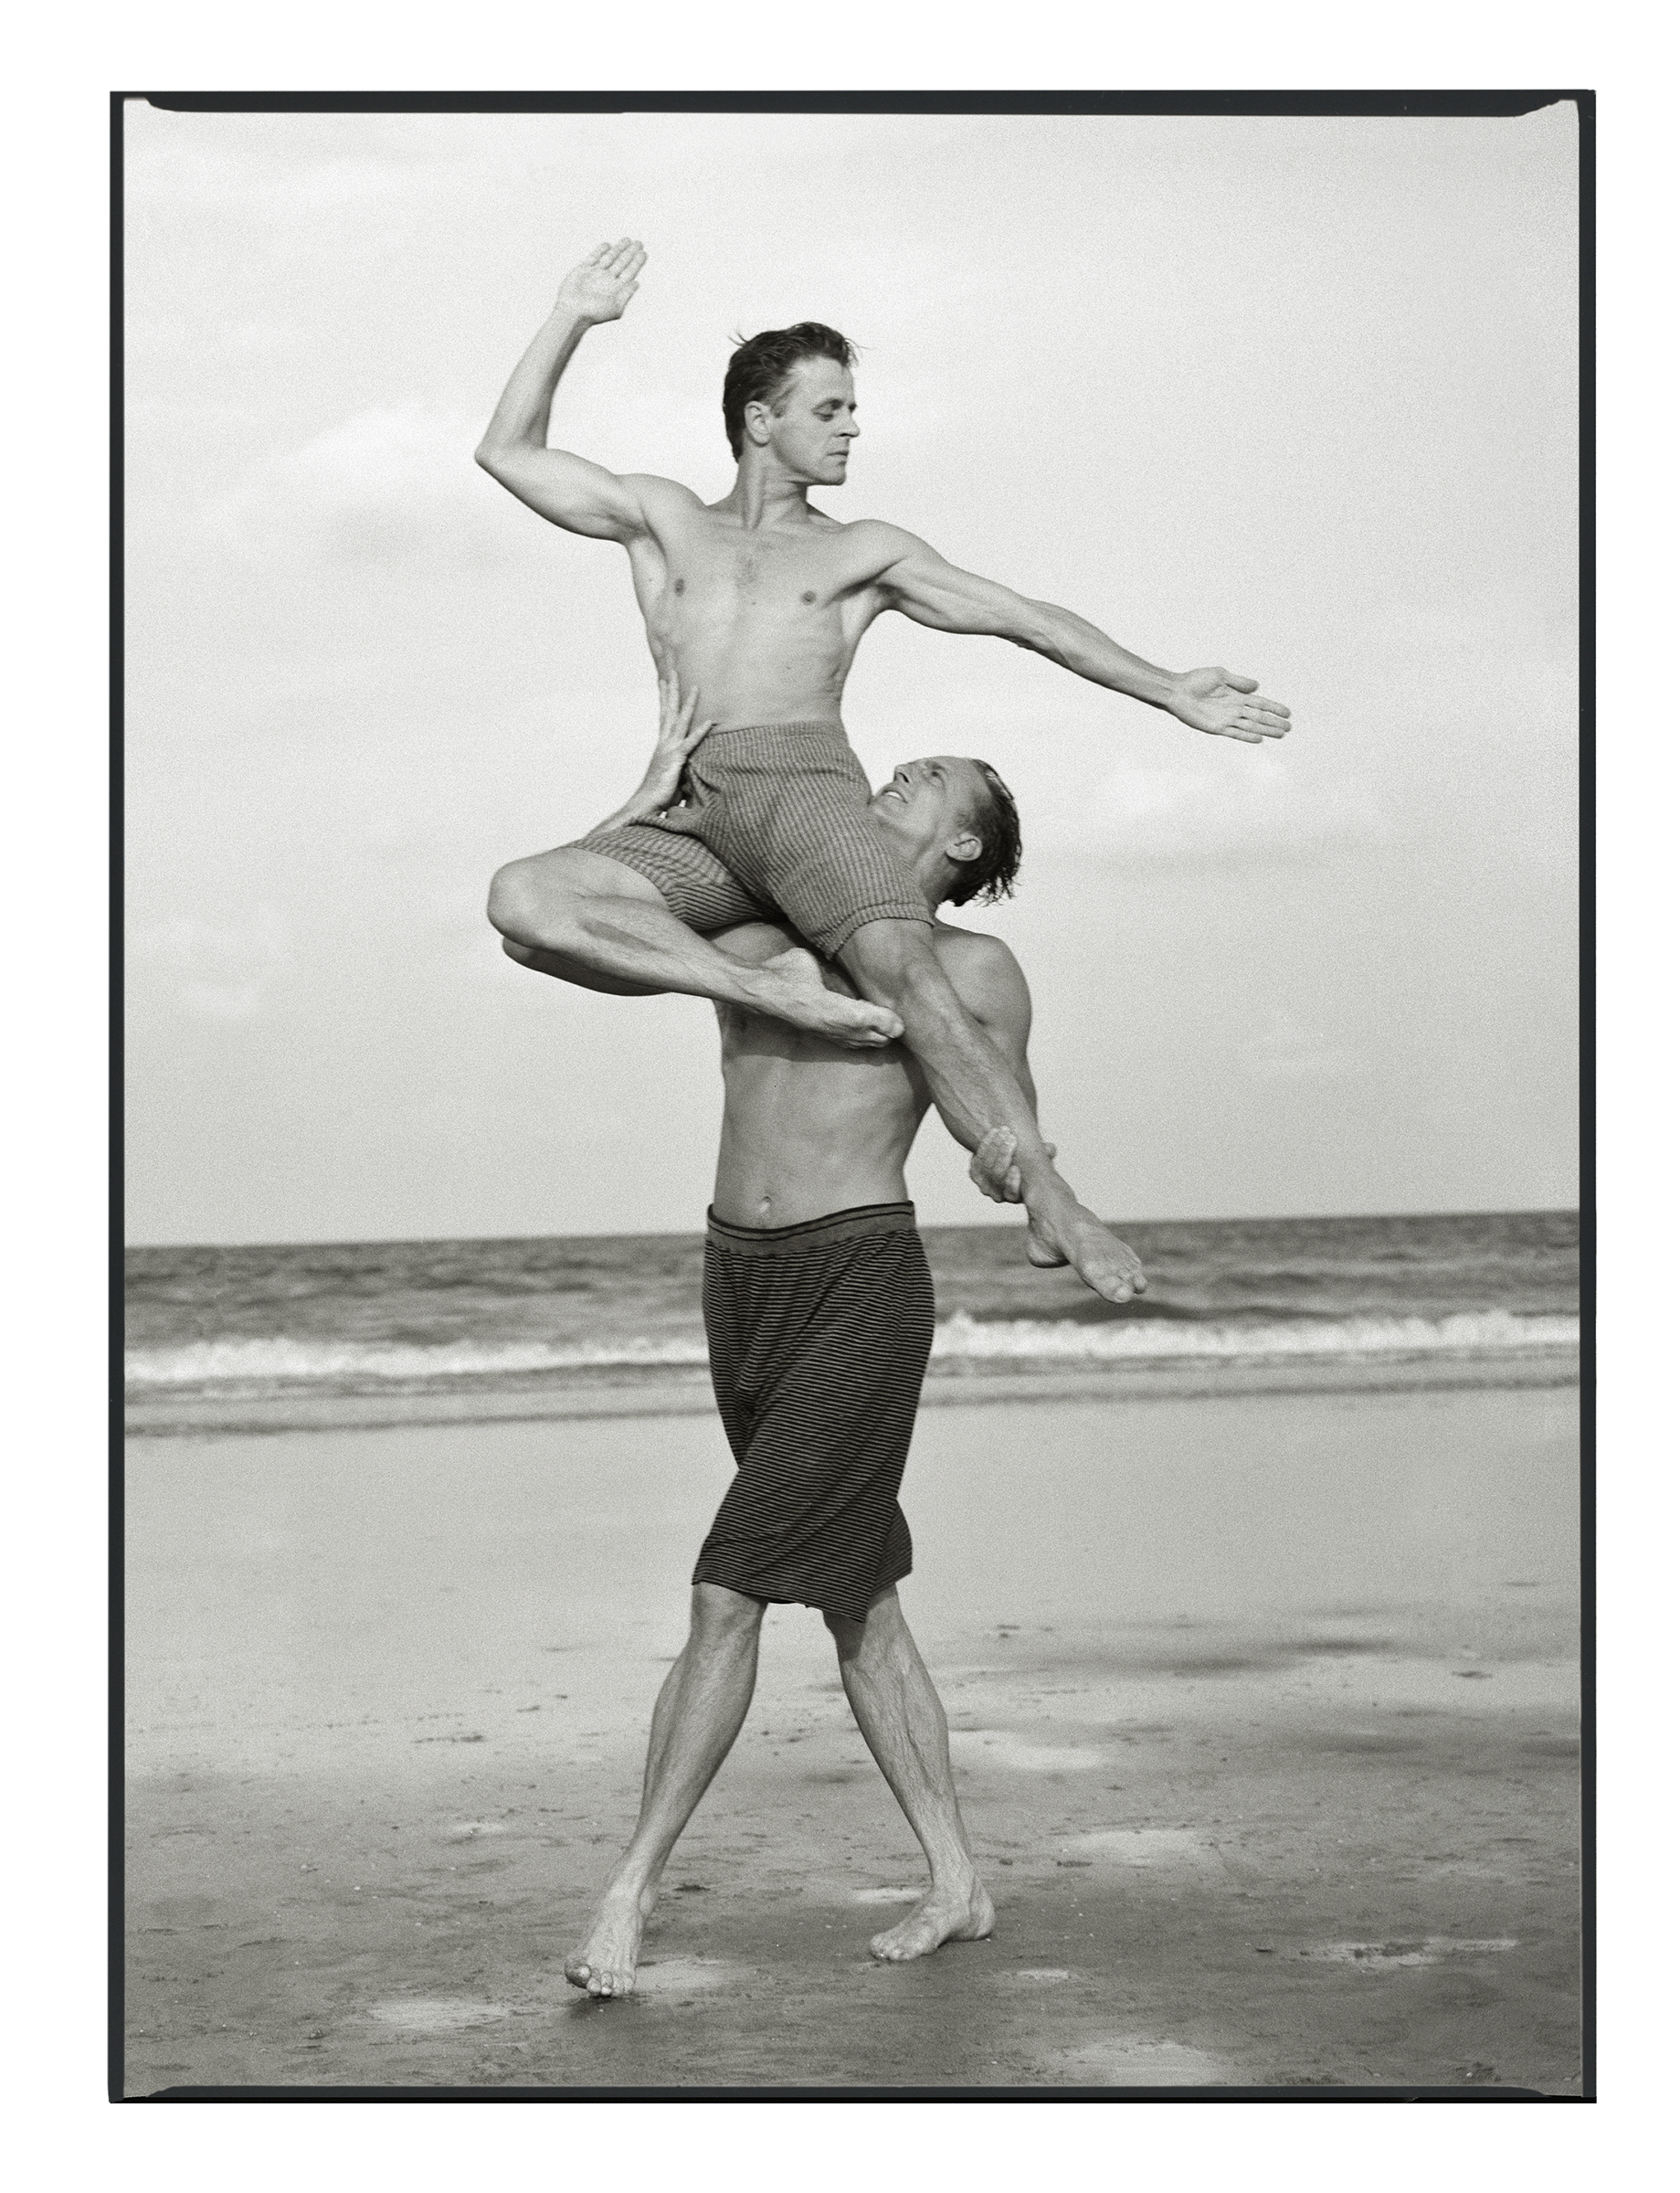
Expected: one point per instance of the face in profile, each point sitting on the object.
(931, 801)
(813, 423)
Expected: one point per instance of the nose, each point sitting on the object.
(850, 428)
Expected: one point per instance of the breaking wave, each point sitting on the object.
(961, 1338)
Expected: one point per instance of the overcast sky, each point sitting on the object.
(1296, 396)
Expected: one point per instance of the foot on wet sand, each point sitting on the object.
(1080, 1238)
(943, 1915)
(606, 1962)
(790, 987)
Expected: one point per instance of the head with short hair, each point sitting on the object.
(954, 821)
(995, 820)
(759, 370)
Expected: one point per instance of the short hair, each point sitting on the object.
(763, 362)
(996, 822)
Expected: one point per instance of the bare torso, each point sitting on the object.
(761, 622)
(809, 1127)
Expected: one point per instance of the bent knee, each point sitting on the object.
(715, 1607)
(884, 1619)
(527, 893)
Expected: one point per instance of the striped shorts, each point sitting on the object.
(775, 821)
(818, 1334)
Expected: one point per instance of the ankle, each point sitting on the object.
(629, 1885)
(956, 1881)
(1045, 1193)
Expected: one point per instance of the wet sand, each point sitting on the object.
(1264, 1708)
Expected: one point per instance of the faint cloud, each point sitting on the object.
(1205, 809)
(164, 337)
(1289, 1052)
(278, 170)
(217, 973)
(388, 484)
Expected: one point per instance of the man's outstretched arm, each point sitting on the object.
(565, 489)
(920, 585)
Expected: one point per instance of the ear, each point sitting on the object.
(757, 418)
(966, 848)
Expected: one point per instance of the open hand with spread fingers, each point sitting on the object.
(1219, 702)
(679, 735)
(604, 285)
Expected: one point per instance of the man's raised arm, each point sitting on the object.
(565, 489)
(920, 585)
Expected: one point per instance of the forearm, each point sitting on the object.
(1063, 638)
(521, 419)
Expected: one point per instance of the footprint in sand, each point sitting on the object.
(1025, 1754)
(1126, 2061)
(435, 2016)
(1177, 1847)
(1388, 1956)
(688, 1976)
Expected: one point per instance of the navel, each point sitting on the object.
(808, 597)
(682, 586)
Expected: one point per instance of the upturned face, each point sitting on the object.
(812, 423)
(926, 806)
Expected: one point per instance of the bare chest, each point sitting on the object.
(713, 572)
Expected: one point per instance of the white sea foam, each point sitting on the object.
(960, 1338)
(1472, 1331)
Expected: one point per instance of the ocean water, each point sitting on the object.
(487, 1317)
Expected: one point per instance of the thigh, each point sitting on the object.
(679, 871)
(832, 870)
(835, 1373)
(787, 810)
(528, 897)
(580, 871)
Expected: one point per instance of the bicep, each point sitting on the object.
(570, 491)
(995, 992)
(922, 586)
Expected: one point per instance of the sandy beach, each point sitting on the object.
(1264, 1707)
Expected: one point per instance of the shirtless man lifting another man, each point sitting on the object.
(820, 1315)
(754, 605)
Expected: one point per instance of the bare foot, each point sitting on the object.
(1078, 1237)
(605, 1964)
(790, 987)
(943, 1915)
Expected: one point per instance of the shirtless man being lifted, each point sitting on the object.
(756, 605)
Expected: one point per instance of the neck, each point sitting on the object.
(933, 874)
(763, 495)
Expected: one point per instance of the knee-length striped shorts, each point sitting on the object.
(819, 1335)
(774, 819)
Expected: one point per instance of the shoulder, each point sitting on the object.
(881, 544)
(981, 969)
(658, 495)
